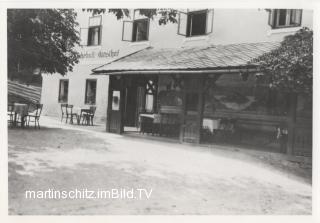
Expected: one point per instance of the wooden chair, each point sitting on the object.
(156, 124)
(64, 111)
(70, 114)
(35, 115)
(10, 113)
(89, 115)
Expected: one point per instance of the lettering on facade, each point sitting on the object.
(99, 54)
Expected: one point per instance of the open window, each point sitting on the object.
(195, 23)
(284, 18)
(91, 36)
(136, 30)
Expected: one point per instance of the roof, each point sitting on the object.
(29, 93)
(189, 58)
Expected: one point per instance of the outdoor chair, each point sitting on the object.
(70, 114)
(64, 111)
(20, 113)
(10, 113)
(35, 116)
(156, 124)
(89, 115)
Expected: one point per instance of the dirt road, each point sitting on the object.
(181, 179)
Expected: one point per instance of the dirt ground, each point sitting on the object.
(183, 179)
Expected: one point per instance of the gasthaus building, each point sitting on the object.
(191, 80)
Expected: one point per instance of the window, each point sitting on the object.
(91, 36)
(283, 18)
(140, 30)
(136, 30)
(94, 36)
(90, 96)
(63, 91)
(195, 23)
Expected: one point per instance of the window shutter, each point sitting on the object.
(271, 18)
(84, 36)
(209, 22)
(127, 29)
(182, 25)
(297, 14)
(95, 21)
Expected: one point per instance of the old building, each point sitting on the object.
(190, 79)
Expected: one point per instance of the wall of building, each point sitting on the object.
(229, 26)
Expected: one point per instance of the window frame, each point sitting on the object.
(133, 24)
(86, 90)
(99, 35)
(275, 13)
(209, 13)
(92, 27)
(189, 26)
(132, 30)
(59, 96)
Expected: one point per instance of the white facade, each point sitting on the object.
(229, 26)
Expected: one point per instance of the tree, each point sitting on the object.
(166, 15)
(290, 66)
(41, 38)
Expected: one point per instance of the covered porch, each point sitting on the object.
(202, 94)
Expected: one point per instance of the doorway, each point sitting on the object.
(129, 97)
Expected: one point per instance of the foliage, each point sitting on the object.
(41, 38)
(166, 15)
(290, 66)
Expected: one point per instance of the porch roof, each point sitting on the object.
(210, 57)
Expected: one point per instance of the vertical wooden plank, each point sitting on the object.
(200, 107)
(192, 121)
(109, 104)
(183, 111)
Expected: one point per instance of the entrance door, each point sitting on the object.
(131, 106)
(115, 105)
(192, 112)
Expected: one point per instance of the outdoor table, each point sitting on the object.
(147, 115)
(21, 110)
(211, 124)
(146, 123)
(79, 111)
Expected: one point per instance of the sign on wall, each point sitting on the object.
(99, 54)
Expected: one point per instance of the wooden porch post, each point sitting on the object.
(191, 124)
(200, 107)
(109, 102)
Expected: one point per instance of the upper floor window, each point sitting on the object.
(195, 23)
(91, 88)
(63, 91)
(91, 36)
(137, 29)
(283, 18)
